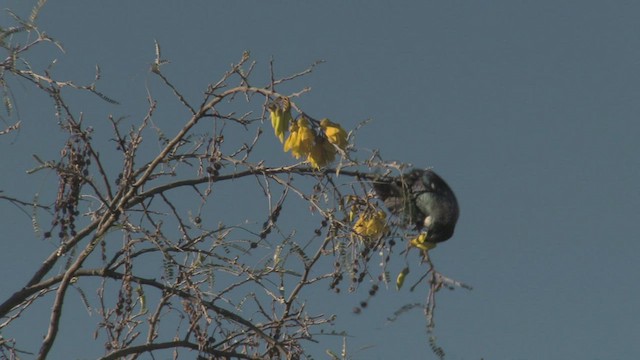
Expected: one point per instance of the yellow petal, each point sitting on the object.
(371, 225)
(277, 121)
(288, 145)
(305, 140)
(321, 154)
(421, 243)
(335, 133)
(280, 112)
(401, 277)
(283, 125)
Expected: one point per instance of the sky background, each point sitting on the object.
(529, 110)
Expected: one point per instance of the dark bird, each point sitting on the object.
(421, 198)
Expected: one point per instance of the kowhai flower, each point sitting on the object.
(280, 112)
(371, 225)
(322, 153)
(301, 138)
(421, 242)
(335, 133)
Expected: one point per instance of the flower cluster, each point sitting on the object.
(280, 112)
(421, 242)
(317, 141)
(334, 133)
(371, 225)
(301, 138)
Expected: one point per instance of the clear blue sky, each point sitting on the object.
(530, 110)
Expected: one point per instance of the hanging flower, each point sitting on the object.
(301, 138)
(401, 277)
(322, 153)
(280, 112)
(371, 225)
(335, 133)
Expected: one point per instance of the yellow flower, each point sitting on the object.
(421, 243)
(371, 225)
(301, 138)
(335, 133)
(401, 277)
(280, 117)
(322, 153)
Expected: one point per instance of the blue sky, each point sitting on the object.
(528, 109)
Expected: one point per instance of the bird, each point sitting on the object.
(421, 198)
